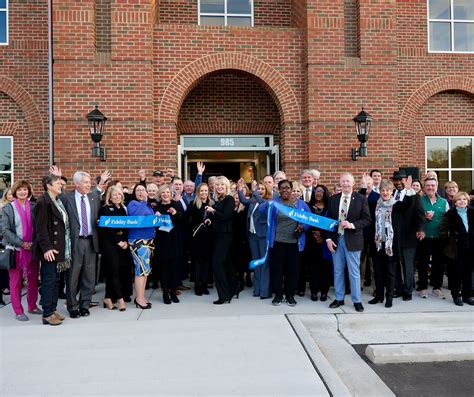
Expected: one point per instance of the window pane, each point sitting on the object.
(461, 153)
(464, 36)
(437, 152)
(3, 3)
(440, 9)
(3, 27)
(463, 179)
(239, 21)
(214, 21)
(212, 6)
(239, 7)
(463, 9)
(5, 154)
(440, 36)
(443, 177)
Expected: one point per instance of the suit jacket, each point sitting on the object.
(223, 215)
(452, 228)
(408, 217)
(69, 201)
(260, 214)
(358, 214)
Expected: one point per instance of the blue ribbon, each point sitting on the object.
(131, 222)
(300, 216)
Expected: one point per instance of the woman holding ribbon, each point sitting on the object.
(140, 241)
(257, 234)
(286, 241)
(17, 227)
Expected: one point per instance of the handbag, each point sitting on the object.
(7, 258)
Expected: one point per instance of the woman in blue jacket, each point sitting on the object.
(286, 241)
(257, 234)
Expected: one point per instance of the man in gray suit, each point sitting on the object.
(82, 207)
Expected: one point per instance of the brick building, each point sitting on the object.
(279, 90)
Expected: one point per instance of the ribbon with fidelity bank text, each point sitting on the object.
(132, 222)
(300, 216)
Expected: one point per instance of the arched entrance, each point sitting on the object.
(231, 122)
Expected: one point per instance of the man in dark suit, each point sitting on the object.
(82, 207)
(351, 210)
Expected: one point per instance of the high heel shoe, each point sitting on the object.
(107, 303)
(137, 305)
(121, 304)
(220, 302)
(173, 297)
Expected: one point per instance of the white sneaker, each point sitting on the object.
(438, 292)
(423, 294)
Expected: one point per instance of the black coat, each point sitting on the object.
(408, 217)
(358, 214)
(223, 215)
(50, 229)
(202, 243)
(168, 244)
(453, 232)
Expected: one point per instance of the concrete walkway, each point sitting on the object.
(247, 348)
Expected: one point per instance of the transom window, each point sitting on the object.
(452, 159)
(226, 12)
(451, 25)
(3, 22)
(6, 162)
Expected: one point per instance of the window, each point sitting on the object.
(452, 159)
(6, 161)
(3, 22)
(226, 12)
(451, 25)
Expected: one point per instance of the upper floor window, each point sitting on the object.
(451, 25)
(226, 12)
(3, 22)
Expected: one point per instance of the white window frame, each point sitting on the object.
(12, 160)
(451, 21)
(225, 15)
(6, 21)
(449, 169)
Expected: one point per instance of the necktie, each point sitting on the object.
(397, 195)
(85, 227)
(343, 214)
(307, 196)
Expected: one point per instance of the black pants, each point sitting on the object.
(430, 247)
(384, 272)
(461, 273)
(319, 272)
(284, 268)
(224, 273)
(170, 273)
(49, 287)
(201, 267)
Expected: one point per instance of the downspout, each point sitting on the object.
(50, 82)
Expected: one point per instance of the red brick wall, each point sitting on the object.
(24, 88)
(229, 102)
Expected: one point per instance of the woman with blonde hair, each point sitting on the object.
(221, 215)
(116, 257)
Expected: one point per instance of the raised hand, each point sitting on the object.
(409, 182)
(364, 180)
(104, 177)
(200, 167)
(55, 170)
(241, 183)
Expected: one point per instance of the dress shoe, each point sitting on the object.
(407, 297)
(277, 301)
(323, 298)
(204, 290)
(220, 302)
(107, 303)
(85, 312)
(147, 306)
(121, 305)
(388, 303)
(166, 298)
(35, 311)
(397, 294)
(469, 300)
(22, 317)
(358, 307)
(173, 297)
(335, 304)
(59, 316)
(74, 314)
(265, 297)
(375, 301)
(197, 290)
(51, 320)
(314, 297)
(458, 301)
(290, 300)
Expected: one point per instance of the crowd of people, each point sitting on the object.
(390, 233)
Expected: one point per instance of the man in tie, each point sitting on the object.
(307, 182)
(82, 207)
(351, 210)
(399, 179)
(376, 176)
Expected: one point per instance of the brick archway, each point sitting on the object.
(426, 91)
(190, 76)
(24, 101)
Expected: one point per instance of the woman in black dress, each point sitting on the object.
(167, 245)
(224, 273)
(202, 239)
(116, 257)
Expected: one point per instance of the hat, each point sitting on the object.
(399, 175)
(157, 173)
